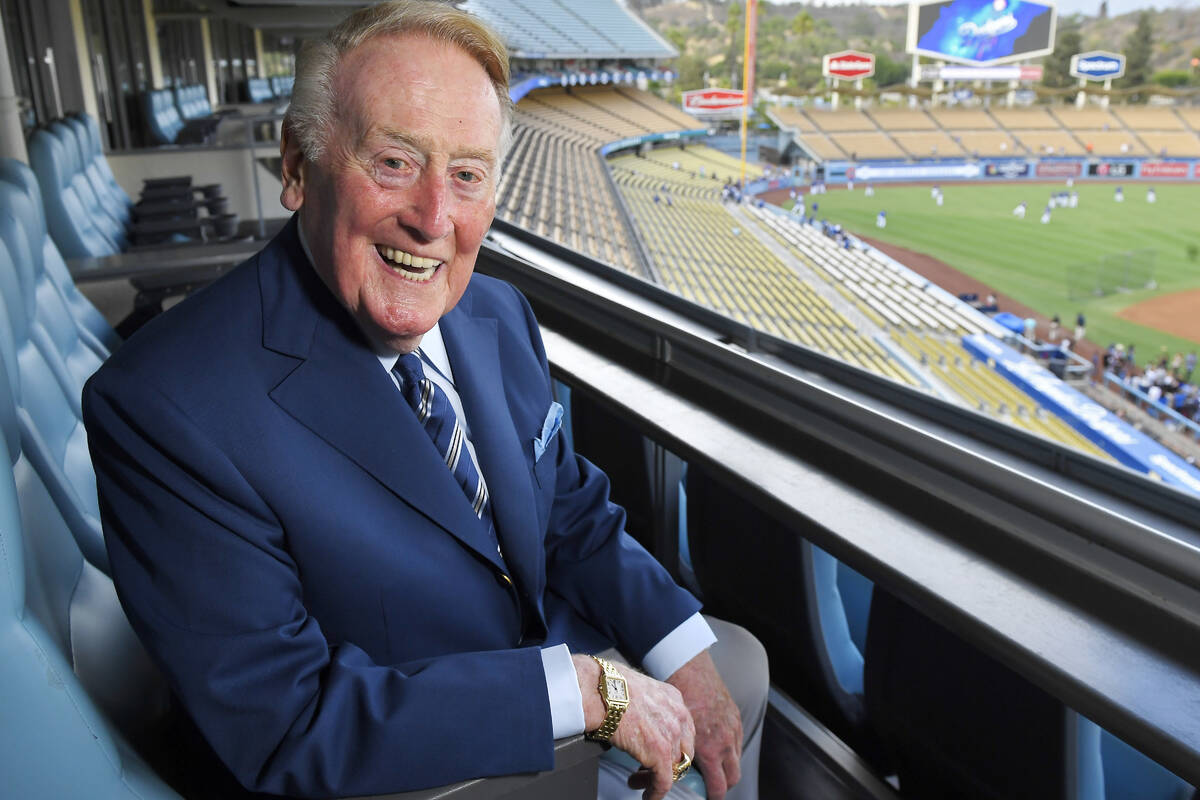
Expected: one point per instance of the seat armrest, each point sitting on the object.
(576, 761)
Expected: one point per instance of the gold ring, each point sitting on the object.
(680, 769)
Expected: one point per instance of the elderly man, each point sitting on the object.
(336, 504)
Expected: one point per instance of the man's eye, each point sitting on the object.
(467, 176)
(393, 163)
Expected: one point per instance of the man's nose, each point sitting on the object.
(428, 216)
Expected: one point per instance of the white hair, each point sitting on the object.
(314, 107)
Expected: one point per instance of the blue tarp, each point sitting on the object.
(1010, 321)
(1131, 447)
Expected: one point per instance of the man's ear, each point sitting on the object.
(292, 196)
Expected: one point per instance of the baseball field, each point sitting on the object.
(1132, 267)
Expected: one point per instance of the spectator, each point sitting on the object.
(1054, 323)
(1080, 326)
(1189, 365)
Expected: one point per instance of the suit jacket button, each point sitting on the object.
(507, 581)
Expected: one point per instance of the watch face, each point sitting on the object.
(616, 689)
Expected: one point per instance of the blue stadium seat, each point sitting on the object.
(98, 204)
(95, 151)
(957, 723)
(787, 592)
(76, 686)
(47, 258)
(258, 90)
(115, 201)
(48, 394)
(69, 220)
(163, 122)
(196, 113)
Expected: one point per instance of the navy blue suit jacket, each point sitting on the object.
(294, 553)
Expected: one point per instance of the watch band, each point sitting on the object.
(615, 708)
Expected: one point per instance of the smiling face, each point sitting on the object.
(396, 207)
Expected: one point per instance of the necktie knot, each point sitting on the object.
(418, 390)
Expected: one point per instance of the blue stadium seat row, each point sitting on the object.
(90, 215)
(281, 85)
(78, 690)
(259, 90)
(192, 102)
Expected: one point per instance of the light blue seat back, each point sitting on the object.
(53, 435)
(96, 146)
(115, 203)
(75, 683)
(31, 215)
(162, 118)
(73, 353)
(112, 228)
(202, 101)
(259, 90)
(66, 216)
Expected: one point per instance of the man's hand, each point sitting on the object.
(656, 729)
(718, 723)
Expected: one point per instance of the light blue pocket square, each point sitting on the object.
(550, 428)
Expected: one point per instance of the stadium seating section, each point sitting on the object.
(659, 214)
(563, 29)
(902, 133)
(555, 183)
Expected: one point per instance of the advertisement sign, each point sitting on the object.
(1006, 169)
(1112, 169)
(1012, 72)
(1058, 169)
(1097, 65)
(848, 65)
(713, 101)
(981, 32)
(1129, 446)
(915, 172)
(1165, 169)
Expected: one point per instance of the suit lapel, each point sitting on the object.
(342, 394)
(473, 348)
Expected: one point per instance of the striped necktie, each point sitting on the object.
(437, 417)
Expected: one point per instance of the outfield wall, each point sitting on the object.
(1014, 169)
(1129, 446)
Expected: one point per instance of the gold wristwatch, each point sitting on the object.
(614, 691)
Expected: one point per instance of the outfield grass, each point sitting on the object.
(976, 232)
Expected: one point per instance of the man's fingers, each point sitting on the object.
(655, 783)
(733, 770)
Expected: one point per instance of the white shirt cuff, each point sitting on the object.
(678, 647)
(562, 686)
